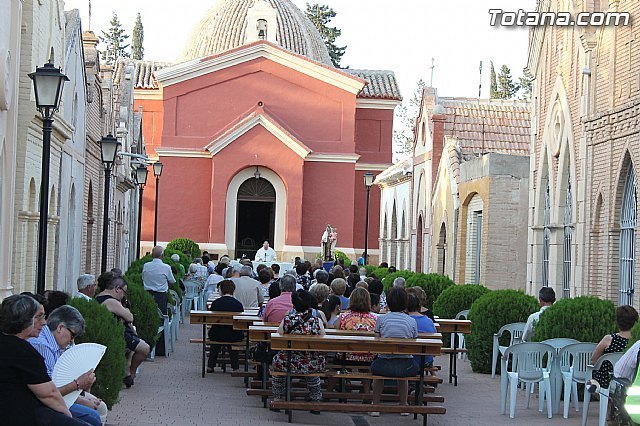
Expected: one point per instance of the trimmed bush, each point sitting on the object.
(635, 335)
(144, 310)
(340, 255)
(586, 319)
(457, 298)
(103, 328)
(186, 246)
(454, 299)
(490, 312)
(432, 284)
(380, 273)
(387, 281)
(370, 269)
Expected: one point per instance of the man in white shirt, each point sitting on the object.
(627, 365)
(266, 253)
(86, 286)
(156, 277)
(247, 289)
(546, 297)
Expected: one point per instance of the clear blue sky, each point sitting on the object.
(400, 35)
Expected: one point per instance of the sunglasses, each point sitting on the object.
(122, 289)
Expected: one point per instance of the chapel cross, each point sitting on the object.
(432, 67)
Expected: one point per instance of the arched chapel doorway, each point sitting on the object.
(255, 220)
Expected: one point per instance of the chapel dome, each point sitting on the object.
(233, 23)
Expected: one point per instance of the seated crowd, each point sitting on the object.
(307, 300)
(36, 331)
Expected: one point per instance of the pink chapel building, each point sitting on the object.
(261, 137)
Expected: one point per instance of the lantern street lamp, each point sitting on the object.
(108, 151)
(48, 82)
(157, 171)
(141, 181)
(368, 182)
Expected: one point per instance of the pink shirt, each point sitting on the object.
(278, 307)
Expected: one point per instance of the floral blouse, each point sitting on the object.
(364, 321)
(302, 362)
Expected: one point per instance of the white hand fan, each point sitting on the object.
(73, 363)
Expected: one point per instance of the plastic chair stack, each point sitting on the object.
(530, 363)
(556, 376)
(191, 295)
(579, 355)
(461, 343)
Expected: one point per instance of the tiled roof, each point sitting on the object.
(481, 126)
(142, 73)
(380, 84)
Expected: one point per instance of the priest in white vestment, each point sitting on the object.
(266, 253)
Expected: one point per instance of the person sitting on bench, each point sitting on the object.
(396, 324)
(301, 320)
(225, 333)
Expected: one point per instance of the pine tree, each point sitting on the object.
(115, 40)
(406, 116)
(137, 50)
(321, 16)
(526, 85)
(506, 87)
(494, 83)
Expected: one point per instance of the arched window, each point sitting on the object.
(546, 237)
(628, 221)
(568, 234)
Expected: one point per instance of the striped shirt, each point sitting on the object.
(47, 347)
(626, 366)
(396, 325)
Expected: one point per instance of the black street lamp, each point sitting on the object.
(48, 82)
(157, 170)
(141, 181)
(368, 182)
(108, 151)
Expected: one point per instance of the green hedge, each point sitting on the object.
(340, 255)
(586, 319)
(490, 312)
(387, 281)
(103, 328)
(380, 273)
(454, 299)
(186, 246)
(432, 284)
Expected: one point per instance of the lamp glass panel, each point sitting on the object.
(141, 175)
(368, 179)
(48, 88)
(157, 168)
(108, 149)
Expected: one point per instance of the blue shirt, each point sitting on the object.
(345, 302)
(47, 347)
(425, 325)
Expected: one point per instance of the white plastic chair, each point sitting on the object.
(174, 324)
(191, 295)
(164, 326)
(530, 363)
(574, 371)
(604, 393)
(461, 342)
(515, 330)
(556, 377)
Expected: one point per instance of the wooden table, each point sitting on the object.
(453, 327)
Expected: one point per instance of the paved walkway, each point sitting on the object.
(170, 391)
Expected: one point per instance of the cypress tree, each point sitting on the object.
(137, 50)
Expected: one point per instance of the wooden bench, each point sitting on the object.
(358, 344)
(209, 318)
(454, 327)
